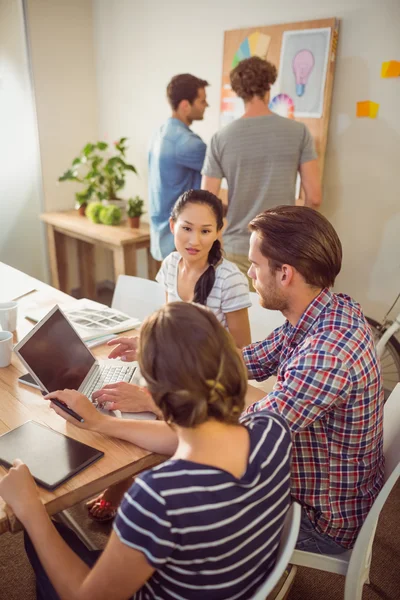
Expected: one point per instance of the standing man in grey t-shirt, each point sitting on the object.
(260, 155)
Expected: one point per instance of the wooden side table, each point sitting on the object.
(121, 240)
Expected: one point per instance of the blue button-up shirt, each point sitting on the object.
(175, 160)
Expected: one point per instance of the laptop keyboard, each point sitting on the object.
(109, 374)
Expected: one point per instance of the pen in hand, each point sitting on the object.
(68, 410)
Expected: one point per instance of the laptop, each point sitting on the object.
(57, 358)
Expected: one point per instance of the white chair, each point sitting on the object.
(355, 564)
(137, 297)
(288, 541)
(262, 320)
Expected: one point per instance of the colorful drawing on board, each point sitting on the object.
(303, 63)
(256, 44)
(282, 105)
(367, 108)
(303, 68)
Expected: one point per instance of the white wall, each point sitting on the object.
(140, 45)
(21, 236)
(63, 65)
(62, 55)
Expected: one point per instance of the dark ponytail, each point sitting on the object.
(205, 283)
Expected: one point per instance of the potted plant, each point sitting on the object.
(100, 172)
(135, 211)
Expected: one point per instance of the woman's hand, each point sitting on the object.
(18, 489)
(126, 348)
(126, 397)
(79, 404)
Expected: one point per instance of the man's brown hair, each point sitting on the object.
(184, 87)
(301, 237)
(253, 77)
(191, 365)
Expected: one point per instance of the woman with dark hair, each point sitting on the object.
(204, 524)
(197, 271)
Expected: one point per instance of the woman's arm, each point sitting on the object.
(119, 572)
(154, 436)
(239, 326)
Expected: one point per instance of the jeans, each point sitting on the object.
(310, 540)
(44, 587)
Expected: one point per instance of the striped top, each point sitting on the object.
(208, 534)
(229, 293)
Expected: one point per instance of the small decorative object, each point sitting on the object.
(110, 215)
(367, 108)
(93, 211)
(135, 211)
(81, 208)
(100, 172)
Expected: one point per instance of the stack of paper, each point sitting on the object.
(92, 320)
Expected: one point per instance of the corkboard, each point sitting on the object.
(232, 41)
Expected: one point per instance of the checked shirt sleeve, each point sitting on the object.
(262, 358)
(313, 384)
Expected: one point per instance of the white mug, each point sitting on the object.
(8, 316)
(6, 347)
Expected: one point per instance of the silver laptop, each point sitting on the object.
(57, 358)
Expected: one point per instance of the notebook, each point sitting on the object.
(52, 457)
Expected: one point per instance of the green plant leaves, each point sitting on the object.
(103, 174)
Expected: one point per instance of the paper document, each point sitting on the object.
(90, 319)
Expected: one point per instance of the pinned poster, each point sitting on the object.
(367, 108)
(390, 69)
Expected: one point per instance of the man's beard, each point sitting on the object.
(271, 300)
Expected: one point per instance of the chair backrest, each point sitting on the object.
(391, 431)
(362, 551)
(137, 297)
(262, 320)
(289, 536)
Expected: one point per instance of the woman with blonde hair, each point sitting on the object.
(205, 523)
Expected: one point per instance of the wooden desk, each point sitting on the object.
(123, 241)
(19, 404)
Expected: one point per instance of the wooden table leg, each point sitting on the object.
(57, 259)
(153, 266)
(125, 261)
(86, 265)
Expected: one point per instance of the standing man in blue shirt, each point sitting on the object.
(175, 159)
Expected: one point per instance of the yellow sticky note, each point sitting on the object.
(367, 108)
(390, 69)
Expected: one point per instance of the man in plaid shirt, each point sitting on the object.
(328, 385)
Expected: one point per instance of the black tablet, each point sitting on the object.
(52, 457)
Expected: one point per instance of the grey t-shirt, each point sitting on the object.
(259, 157)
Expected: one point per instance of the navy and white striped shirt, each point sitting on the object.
(208, 534)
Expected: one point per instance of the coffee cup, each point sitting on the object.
(8, 316)
(6, 348)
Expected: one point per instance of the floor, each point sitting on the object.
(17, 580)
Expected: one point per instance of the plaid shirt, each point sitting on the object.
(330, 393)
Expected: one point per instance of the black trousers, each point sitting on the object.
(44, 587)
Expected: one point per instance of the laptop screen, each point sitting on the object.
(57, 355)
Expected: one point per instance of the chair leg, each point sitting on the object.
(353, 588)
(70, 522)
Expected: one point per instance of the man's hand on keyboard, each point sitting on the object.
(126, 348)
(126, 397)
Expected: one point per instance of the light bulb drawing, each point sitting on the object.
(303, 64)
